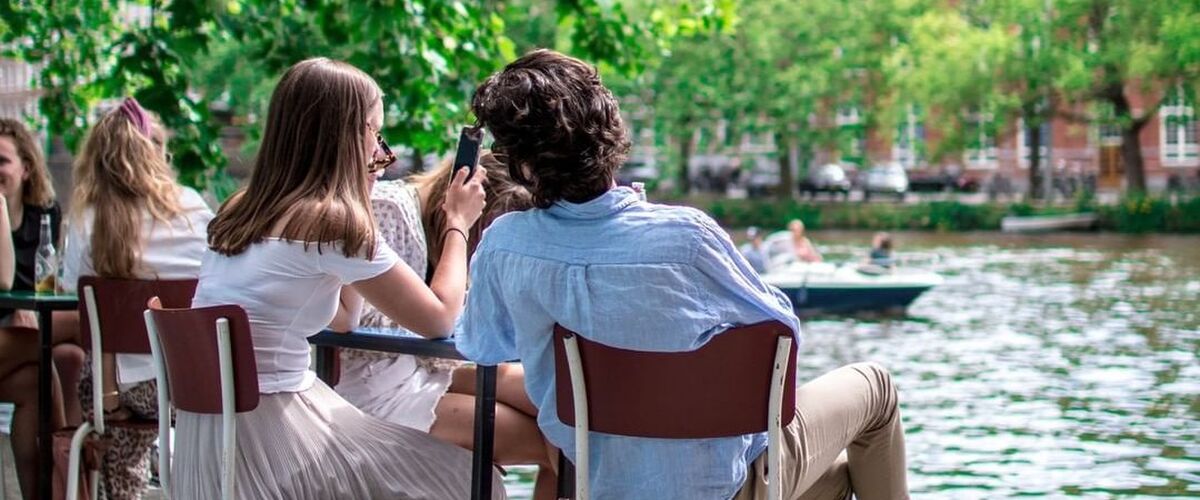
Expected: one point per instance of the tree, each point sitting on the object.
(181, 56)
(89, 51)
(797, 63)
(1114, 47)
(955, 67)
(686, 89)
(1038, 59)
(658, 56)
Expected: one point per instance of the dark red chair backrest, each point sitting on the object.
(718, 390)
(189, 345)
(120, 303)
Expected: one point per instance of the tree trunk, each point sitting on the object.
(685, 156)
(1033, 138)
(418, 162)
(1131, 157)
(787, 184)
(1131, 147)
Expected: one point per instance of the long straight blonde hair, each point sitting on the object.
(122, 174)
(311, 169)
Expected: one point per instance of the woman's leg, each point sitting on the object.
(510, 386)
(21, 388)
(126, 462)
(68, 363)
(510, 391)
(17, 348)
(517, 438)
(68, 359)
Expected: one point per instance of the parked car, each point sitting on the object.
(930, 180)
(888, 178)
(763, 178)
(829, 178)
(638, 170)
(946, 178)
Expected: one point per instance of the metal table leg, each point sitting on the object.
(324, 366)
(485, 421)
(45, 402)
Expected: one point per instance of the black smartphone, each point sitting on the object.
(469, 143)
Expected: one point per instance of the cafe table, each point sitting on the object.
(44, 305)
(402, 342)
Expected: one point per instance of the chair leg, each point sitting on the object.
(775, 408)
(566, 477)
(228, 421)
(579, 398)
(73, 463)
(3, 473)
(95, 475)
(164, 406)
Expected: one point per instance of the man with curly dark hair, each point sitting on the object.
(596, 259)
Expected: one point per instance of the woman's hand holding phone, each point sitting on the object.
(465, 198)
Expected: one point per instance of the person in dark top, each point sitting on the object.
(26, 193)
(881, 250)
(25, 241)
(753, 251)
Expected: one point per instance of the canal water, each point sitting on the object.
(1054, 366)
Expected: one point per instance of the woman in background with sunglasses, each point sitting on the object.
(283, 248)
(438, 395)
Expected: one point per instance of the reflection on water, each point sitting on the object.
(1045, 366)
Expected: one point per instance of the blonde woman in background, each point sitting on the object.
(433, 395)
(801, 246)
(151, 228)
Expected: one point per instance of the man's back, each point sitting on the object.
(628, 274)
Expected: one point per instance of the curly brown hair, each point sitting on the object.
(555, 125)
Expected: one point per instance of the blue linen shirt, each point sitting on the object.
(629, 274)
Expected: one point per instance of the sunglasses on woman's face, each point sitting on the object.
(379, 162)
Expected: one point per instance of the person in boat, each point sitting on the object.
(753, 250)
(299, 251)
(881, 250)
(437, 395)
(801, 246)
(597, 260)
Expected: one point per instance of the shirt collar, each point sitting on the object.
(612, 201)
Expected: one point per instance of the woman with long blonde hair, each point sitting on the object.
(434, 395)
(151, 228)
(299, 251)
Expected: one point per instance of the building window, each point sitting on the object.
(1178, 131)
(1025, 138)
(848, 115)
(980, 141)
(909, 146)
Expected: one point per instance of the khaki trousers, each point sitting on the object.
(846, 438)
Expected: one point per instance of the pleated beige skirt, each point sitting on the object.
(315, 445)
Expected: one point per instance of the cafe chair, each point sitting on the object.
(743, 381)
(110, 312)
(205, 362)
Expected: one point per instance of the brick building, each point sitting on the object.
(1169, 145)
